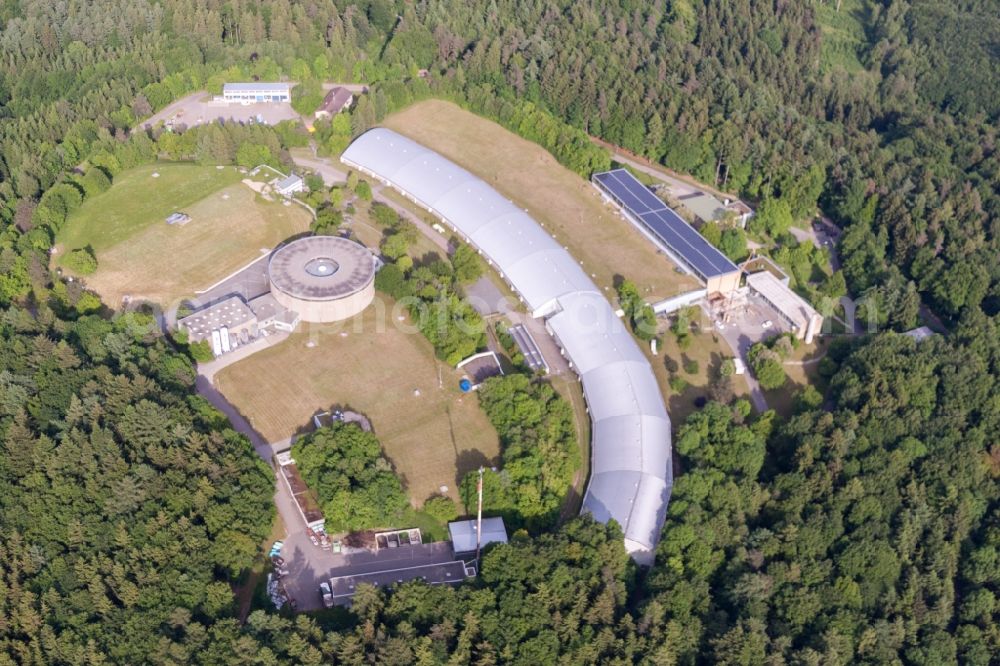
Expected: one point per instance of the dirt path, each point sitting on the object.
(678, 184)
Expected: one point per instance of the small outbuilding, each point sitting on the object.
(463, 534)
(289, 185)
(480, 367)
(338, 99)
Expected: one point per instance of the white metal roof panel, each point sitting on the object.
(624, 387)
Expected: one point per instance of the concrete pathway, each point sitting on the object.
(756, 392)
(282, 498)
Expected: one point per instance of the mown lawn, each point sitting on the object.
(138, 200)
(142, 257)
(567, 206)
(375, 364)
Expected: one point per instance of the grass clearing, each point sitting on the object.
(373, 364)
(141, 256)
(802, 369)
(568, 206)
(137, 200)
(707, 350)
(843, 33)
(571, 390)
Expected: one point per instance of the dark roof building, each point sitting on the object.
(336, 100)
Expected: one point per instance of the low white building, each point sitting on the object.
(289, 185)
(463, 534)
(246, 93)
(802, 317)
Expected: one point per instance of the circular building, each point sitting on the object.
(322, 278)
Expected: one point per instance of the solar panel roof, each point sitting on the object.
(668, 226)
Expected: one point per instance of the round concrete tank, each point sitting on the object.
(322, 278)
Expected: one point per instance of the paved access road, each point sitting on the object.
(206, 388)
(199, 108)
(677, 187)
(331, 174)
(746, 330)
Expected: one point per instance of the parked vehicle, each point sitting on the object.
(324, 591)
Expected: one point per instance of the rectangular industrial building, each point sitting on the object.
(257, 92)
(678, 238)
(446, 573)
(231, 314)
(801, 316)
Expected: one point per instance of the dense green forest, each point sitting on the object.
(354, 481)
(129, 505)
(540, 452)
(866, 530)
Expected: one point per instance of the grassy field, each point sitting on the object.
(141, 256)
(708, 351)
(570, 389)
(568, 206)
(366, 230)
(802, 368)
(137, 201)
(370, 364)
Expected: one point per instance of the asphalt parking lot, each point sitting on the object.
(199, 108)
(249, 282)
(309, 565)
(748, 327)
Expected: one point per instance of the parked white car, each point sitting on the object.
(767, 324)
(324, 590)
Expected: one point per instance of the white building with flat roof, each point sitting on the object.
(247, 93)
(794, 309)
(289, 185)
(463, 534)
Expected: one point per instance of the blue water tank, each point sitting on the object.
(465, 385)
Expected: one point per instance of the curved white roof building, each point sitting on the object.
(631, 474)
